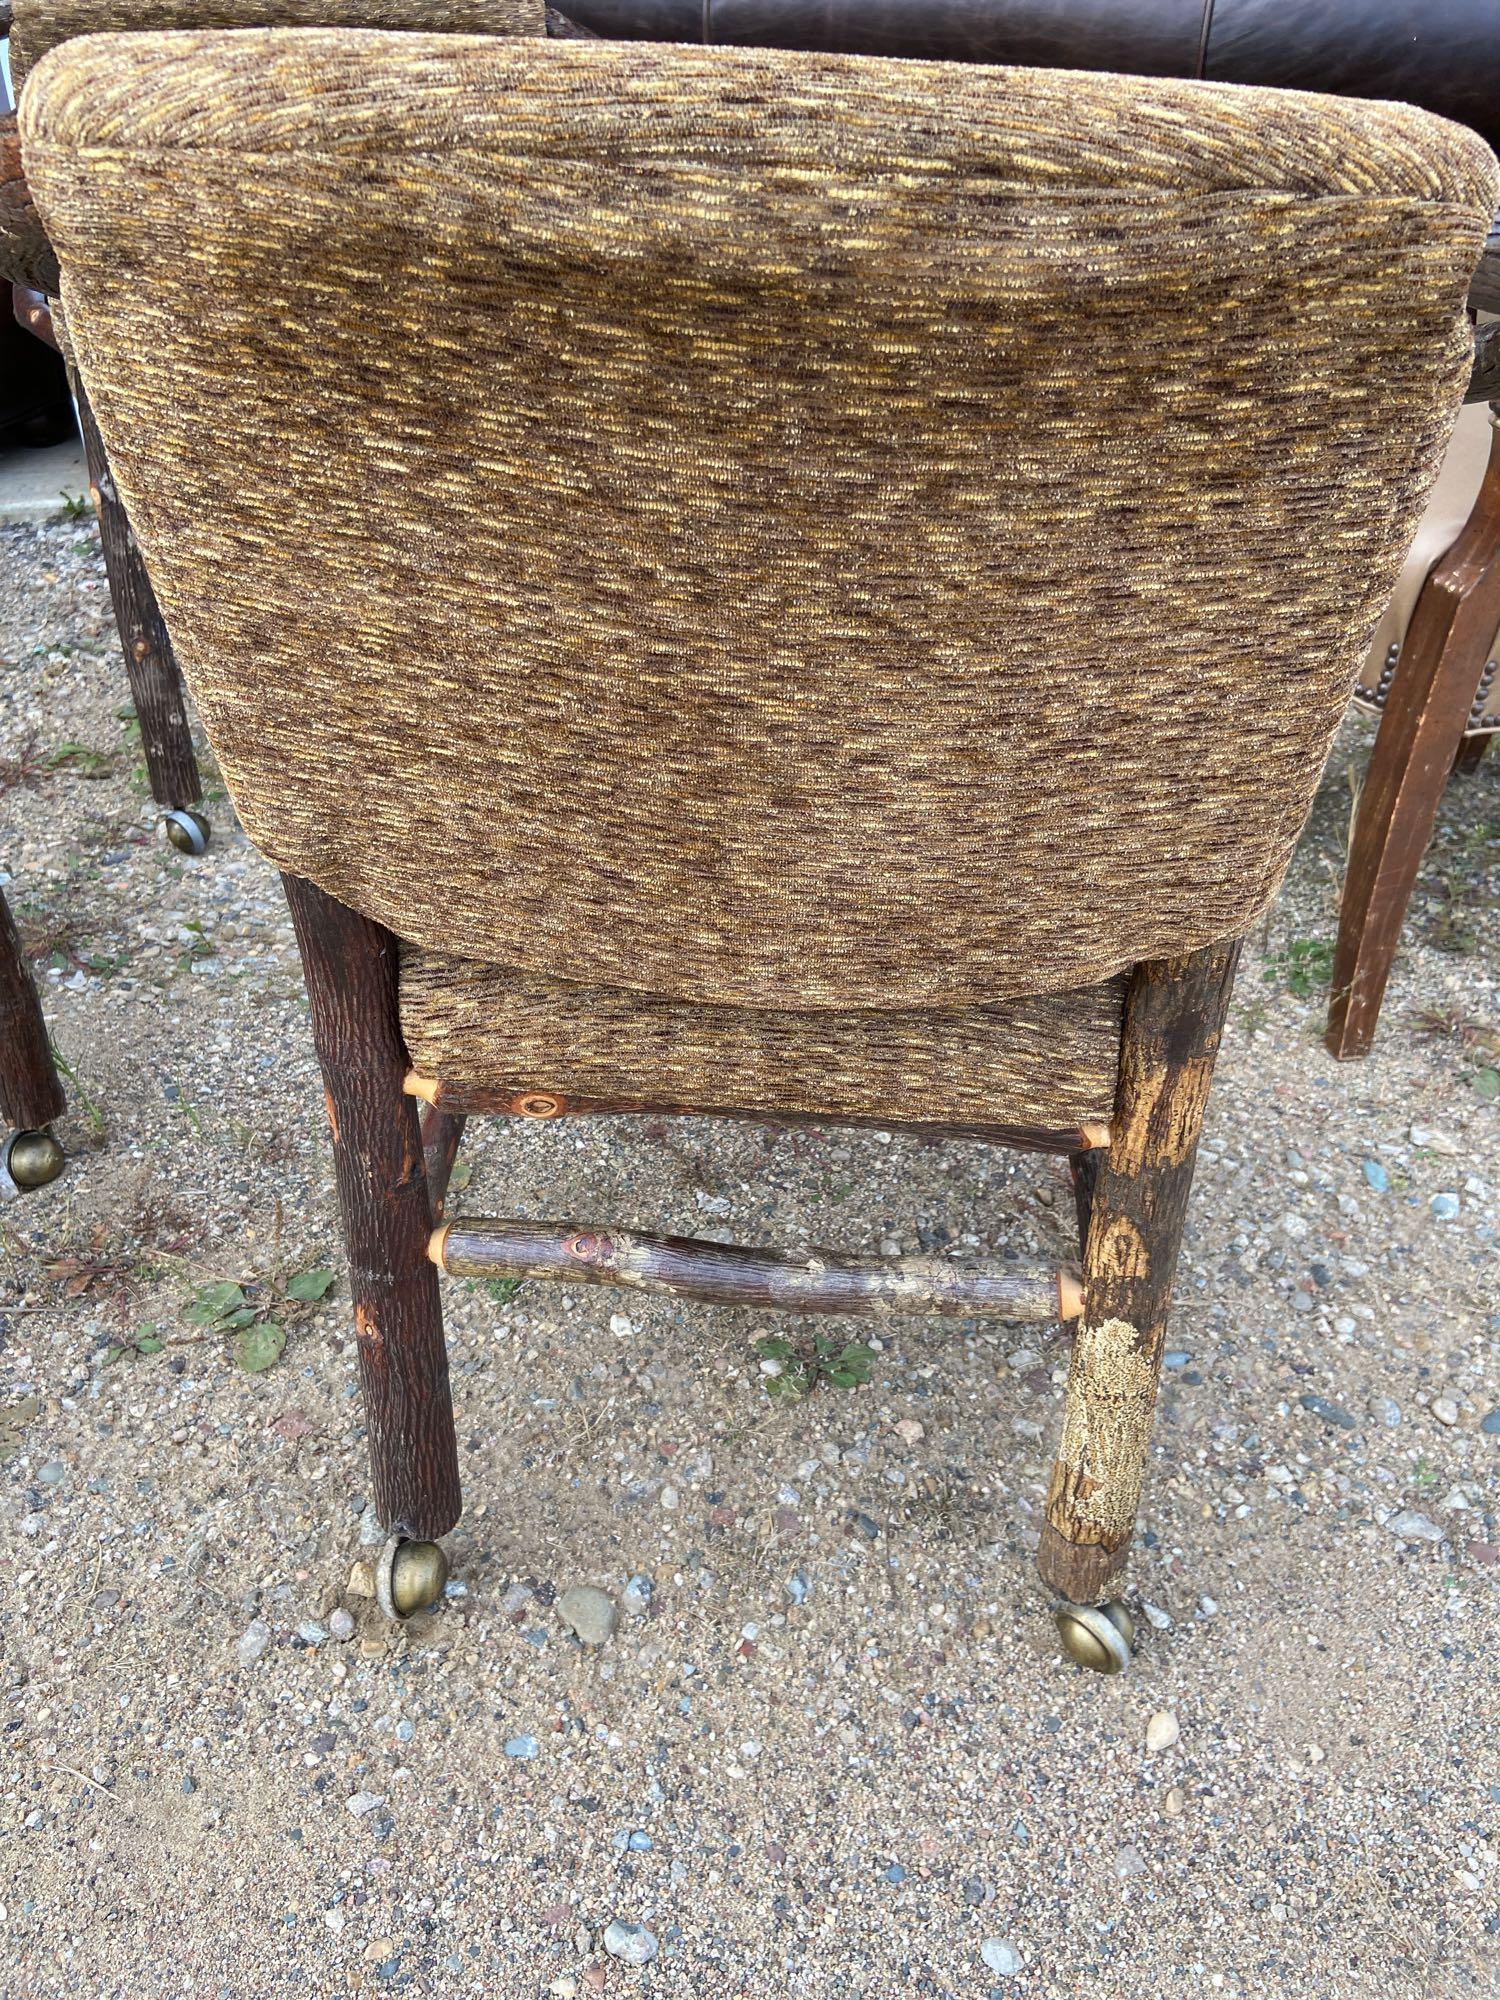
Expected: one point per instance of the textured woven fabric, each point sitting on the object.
(25, 254)
(766, 528)
(39, 25)
(1052, 1060)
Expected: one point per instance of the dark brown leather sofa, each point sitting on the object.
(1441, 54)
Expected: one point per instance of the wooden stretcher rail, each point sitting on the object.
(731, 1274)
(545, 1105)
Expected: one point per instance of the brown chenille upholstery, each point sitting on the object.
(772, 530)
(1047, 1060)
(39, 25)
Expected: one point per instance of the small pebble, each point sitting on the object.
(1375, 1175)
(341, 1624)
(1385, 1411)
(636, 1596)
(311, 1633)
(1445, 1410)
(1174, 1802)
(1414, 1527)
(1331, 1413)
(1000, 1957)
(1444, 1206)
(631, 1942)
(1129, 1861)
(1162, 1731)
(588, 1612)
(522, 1746)
(253, 1641)
(1489, 1423)
(364, 1802)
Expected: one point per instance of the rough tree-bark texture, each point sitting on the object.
(1444, 654)
(350, 967)
(30, 1094)
(1174, 1012)
(1084, 1167)
(155, 683)
(442, 1134)
(730, 1274)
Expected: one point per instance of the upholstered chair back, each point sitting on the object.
(759, 527)
(39, 25)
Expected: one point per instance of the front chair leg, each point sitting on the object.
(350, 965)
(1174, 1012)
(30, 1094)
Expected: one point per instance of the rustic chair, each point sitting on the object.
(844, 623)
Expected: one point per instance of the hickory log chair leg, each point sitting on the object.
(1132, 1204)
(30, 1094)
(350, 964)
(1447, 647)
(155, 680)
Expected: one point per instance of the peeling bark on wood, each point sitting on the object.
(30, 1094)
(350, 966)
(155, 683)
(1174, 1013)
(732, 1274)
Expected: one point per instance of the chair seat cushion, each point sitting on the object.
(1041, 1060)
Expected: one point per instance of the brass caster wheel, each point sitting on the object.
(1097, 1637)
(185, 830)
(409, 1576)
(30, 1159)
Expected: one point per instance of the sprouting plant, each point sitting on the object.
(255, 1314)
(1300, 965)
(791, 1372)
(75, 506)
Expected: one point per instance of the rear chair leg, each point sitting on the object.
(350, 965)
(1174, 1012)
(155, 682)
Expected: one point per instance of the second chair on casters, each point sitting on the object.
(748, 664)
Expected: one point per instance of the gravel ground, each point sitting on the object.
(831, 1748)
